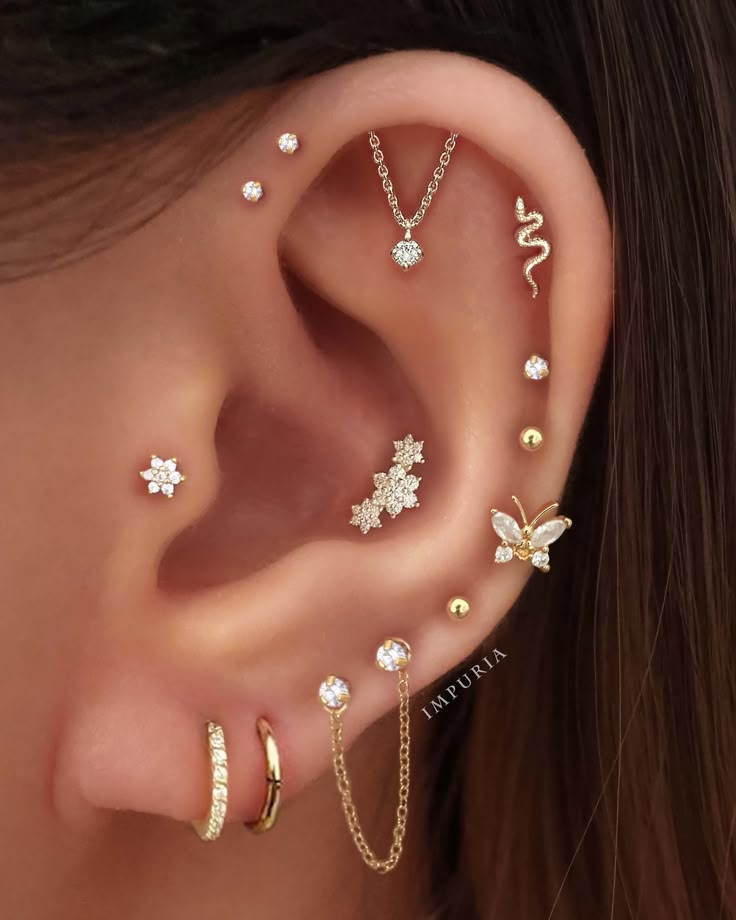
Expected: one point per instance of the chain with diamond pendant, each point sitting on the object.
(408, 224)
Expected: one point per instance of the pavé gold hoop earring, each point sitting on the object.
(394, 491)
(272, 804)
(334, 694)
(524, 237)
(407, 252)
(529, 541)
(211, 827)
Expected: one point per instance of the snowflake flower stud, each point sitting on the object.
(162, 476)
(396, 490)
(408, 452)
(366, 515)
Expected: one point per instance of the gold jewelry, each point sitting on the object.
(524, 238)
(531, 438)
(334, 694)
(536, 368)
(162, 476)
(252, 191)
(211, 827)
(458, 608)
(408, 252)
(529, 543)
(272, 804)
(394, 491)
(288, 144)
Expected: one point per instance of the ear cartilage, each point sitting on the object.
(528, 541)
(531, 438)
(252, 191)
(288, 144)
(458, 608)
(530, 223)
(162, 476)
(394, 491)
(536, 368)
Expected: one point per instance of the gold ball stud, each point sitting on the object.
(458, 608)
(531, 438)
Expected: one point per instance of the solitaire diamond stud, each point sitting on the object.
(288, 144)
(252, 191)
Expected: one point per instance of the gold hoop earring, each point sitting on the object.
(272, 804)
(210, 828)
(334, 694)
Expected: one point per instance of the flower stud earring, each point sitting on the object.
(394, 491)
(334, 694)
(162, 476)
(529, 541)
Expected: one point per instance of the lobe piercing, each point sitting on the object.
(529, 541)
(288, 144)
(524, 237)
(458, 608)
(252, 191)
(162, 476)
(536, 368)
(211, 827)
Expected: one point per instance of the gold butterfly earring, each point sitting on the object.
(530, 540)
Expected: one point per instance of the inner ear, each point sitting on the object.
(297, 447)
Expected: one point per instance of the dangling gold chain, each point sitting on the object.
(388, 186)
(346, 793)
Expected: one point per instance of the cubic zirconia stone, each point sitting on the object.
(504, 554)
(393, 655)
(407, 253)
(288, 144)
(153, 488)
(536, 368)
(253, 191)
(540, 559)
(506, 527)
(548, 532)
(334, 693)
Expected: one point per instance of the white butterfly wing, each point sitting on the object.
(506, 527)
(548, 532)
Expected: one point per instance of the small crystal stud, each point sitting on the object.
(162, 476)
(536, 368)
(252, 191)
(393, 655)
(288, 144)
(334, 694)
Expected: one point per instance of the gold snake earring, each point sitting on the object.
(530, 223)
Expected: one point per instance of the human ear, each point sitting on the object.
(292, 352)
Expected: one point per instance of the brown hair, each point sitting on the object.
(595, 774)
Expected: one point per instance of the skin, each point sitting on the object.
(125, 627)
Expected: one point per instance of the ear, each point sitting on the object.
(306, 353)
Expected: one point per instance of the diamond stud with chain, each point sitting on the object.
(407, 252)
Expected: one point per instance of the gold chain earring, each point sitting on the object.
(334, 694)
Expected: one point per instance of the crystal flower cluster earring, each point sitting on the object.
(335, 695)
(395, 490)
(162, 476)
